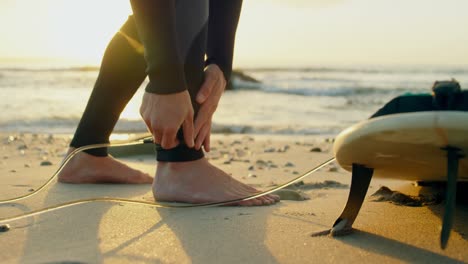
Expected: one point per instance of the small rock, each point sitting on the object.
(295, 172)
(244, 214)
(27, 166)
(12, 170)
(31, 190)
(251, 175)
(261, 162)
(251, 168)
(22, 147)
(299, 183)
(46, 163)
(249, 138)
(240, 153)
(5, 157)
(4, 227)
(227, 162)
(272, 166)
(288, 164)
(268, 150)
(287, 194)
(316, 149)
(333, 169)
(283, 149)
(236, 142)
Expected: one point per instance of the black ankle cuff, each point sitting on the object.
(178, 154)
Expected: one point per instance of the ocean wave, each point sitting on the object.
(369, 70)
(456, 70)
(337, 91)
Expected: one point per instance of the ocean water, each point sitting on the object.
(301, 101)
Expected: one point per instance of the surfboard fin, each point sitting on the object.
(453, 155)
(446, 95)
(361, 177)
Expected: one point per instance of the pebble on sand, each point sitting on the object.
(288, 164)
(236, 142)
(22, 147)
(283, 149)
(293, 195)
(251, 175)
(385, 194)
(333, 169)
(46, 163)
(268, 150)
(4, 227)
(316, 149)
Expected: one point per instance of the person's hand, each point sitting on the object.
(208, 97)
(164, 114)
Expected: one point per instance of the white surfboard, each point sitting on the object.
(406, 146)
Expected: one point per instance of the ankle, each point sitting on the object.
(180, 165)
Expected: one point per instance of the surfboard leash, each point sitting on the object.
(138, 141)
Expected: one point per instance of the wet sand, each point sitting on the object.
(122, 233)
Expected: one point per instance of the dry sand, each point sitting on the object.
(120, 233)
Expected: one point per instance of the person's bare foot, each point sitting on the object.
(200, 182)
(85, 168)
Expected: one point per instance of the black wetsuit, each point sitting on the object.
(175, 36)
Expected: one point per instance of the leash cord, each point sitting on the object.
(144, 140)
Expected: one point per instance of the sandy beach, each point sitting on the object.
(120, 233)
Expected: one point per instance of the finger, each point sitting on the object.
(188, 131)
(201, 119)
(169, 140)
(206, 143)
(206, 88)
(201, 136)
(147, 122)
(157, 135)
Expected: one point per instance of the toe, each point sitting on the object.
(275, 197)
(266, 200)
(246, 203)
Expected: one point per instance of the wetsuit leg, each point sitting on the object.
(192, 33)
(122, 72)
(174, 35)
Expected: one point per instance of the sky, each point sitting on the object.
(272, 33)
